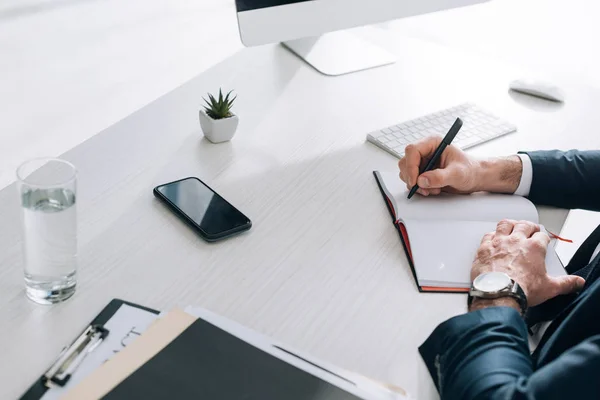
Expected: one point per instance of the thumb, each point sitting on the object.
(568, 284)
(437, 178)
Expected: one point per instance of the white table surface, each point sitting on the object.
(322, 268)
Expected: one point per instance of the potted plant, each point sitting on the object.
(217, 121)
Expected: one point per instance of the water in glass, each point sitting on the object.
(50, 243)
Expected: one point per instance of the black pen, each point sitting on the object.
(446, 141)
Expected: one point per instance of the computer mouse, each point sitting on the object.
(539, 89)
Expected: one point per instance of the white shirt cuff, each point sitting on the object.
(526, 176)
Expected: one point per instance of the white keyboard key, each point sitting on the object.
(479, 126)
(469, 141)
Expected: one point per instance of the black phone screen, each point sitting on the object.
(209, 211)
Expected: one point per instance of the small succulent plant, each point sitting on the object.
(219, 108)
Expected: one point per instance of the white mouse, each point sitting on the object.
(538, 89)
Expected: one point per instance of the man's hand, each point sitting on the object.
(457, 172)
(518, 248)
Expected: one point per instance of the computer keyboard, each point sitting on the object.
(479, 126)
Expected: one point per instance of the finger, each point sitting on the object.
(413, 161)
(402, 176)
(402, 164)
(567, 284)
(488, 237)
(438, 178)
(505, 227)
(525, 229)
(542, 239)
(434, 192)
(423, 192)
(416, 153)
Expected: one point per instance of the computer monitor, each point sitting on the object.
(301, 26)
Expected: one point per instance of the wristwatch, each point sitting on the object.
(493, 285)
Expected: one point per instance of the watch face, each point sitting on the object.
(492, 282)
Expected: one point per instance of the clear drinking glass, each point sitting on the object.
(47, 188)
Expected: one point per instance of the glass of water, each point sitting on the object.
(47, 188)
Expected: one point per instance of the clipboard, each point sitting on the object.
(73, 355)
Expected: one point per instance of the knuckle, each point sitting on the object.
(505, 221)
(514, 239)
(531, 225)
(497, 241)
(488, 236)
(538, 245)
(484, 248)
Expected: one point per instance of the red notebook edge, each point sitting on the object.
(406, 245)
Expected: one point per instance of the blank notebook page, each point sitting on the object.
(475, 207)
(444, 253)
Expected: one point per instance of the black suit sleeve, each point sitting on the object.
(568, 179)
(485, 355)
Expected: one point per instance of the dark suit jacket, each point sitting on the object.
(485, 354)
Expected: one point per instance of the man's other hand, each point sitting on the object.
(518, 248)
(457, 172)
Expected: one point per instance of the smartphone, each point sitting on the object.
(203, 209)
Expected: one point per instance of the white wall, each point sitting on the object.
(70, 68)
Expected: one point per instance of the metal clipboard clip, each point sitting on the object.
(71, 357)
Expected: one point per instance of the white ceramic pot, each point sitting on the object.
(218, 130)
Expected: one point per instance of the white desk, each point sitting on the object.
(323, 268)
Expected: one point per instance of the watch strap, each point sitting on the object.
(518, 294)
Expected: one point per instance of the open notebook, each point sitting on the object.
(441, 234)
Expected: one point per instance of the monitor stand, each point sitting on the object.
(339, 53)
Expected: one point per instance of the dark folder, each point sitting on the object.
(185, 357)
